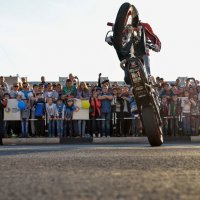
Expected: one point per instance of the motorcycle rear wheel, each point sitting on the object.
(151, 126)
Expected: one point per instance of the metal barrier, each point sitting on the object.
(127, 126)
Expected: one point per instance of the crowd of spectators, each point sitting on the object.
(49, 108)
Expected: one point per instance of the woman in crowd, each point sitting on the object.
(82, 94)
(95, 113)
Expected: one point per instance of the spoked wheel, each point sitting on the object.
(151, 126)
(124, 18)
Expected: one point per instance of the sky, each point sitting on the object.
(57, 37)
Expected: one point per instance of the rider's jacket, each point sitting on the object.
(151, 35)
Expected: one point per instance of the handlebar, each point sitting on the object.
(110, 24)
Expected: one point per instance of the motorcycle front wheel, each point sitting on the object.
(151, 126)
(124, 18)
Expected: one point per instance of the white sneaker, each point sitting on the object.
(99, 135)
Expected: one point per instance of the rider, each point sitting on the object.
(152, 42)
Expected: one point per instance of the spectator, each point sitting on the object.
(192, 91)
(59, 90)
(162, 83)
(126, 110)
(4, 85)
(174, 112)
(7, 123)
(1, 91)
(15, 126)
(178, 83)
(187, 85)
(74, 79)
(41, 88)
(14, 91)
(136, 124)
(167, 91)
(106, 83)
(43, 82)
(186, 103)
(24, 95)
(195, 112)
(51, 114)
(50, 93)
(60, 115)
(70, 108)
(23, 80)
(106, 99)
(54, 86)
(32, 97)
(69, 90)
(82, 94)
(115, 106)
(2, 106)
(39, 107)
(164, 112)
(95, 113)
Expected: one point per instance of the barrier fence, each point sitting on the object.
(97, 127)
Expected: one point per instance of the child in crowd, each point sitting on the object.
(50, 93)
(174, 112)
(70, 108)
(60, 115)
(25, 114)
(24, 95)
(186, 103)
(51, 114)
(39, 108)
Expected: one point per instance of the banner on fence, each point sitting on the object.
(83, 113)
(12, 112)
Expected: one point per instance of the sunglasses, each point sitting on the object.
(16, 86)
(25, 86)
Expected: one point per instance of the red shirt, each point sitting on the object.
(150, 34)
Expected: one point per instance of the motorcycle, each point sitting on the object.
(130, 44)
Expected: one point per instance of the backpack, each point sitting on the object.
(39, 109)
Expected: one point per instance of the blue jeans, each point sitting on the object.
(81, 127)
(186, 124)
(51, 128)
(24, 126)
(60, 127)
(95, 125)
(68, 127)
(106, 117)
(147, 64)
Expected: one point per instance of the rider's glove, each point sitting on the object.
(152, 46)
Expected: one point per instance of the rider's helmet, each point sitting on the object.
(135, 19)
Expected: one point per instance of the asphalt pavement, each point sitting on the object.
(100, 172)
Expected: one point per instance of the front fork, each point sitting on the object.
(142, 89)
